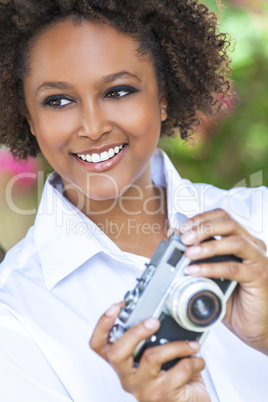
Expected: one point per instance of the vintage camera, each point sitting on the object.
(186, 306)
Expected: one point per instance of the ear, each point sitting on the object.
(163, 107)
(30, 122)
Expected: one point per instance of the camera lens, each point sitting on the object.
(203, 308)
(195, 304)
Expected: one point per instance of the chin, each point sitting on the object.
(105, 190)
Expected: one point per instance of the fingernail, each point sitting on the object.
(112, 310)
(194, 345)
(188, 237)
(192, 269)
(151, 323)
(193, 251)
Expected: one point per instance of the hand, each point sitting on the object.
(148, 382)
(247, 309)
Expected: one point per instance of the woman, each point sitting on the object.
(92, 84)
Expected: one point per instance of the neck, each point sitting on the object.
(136, 221)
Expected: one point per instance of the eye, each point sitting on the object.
(57, 101)
(120, 92)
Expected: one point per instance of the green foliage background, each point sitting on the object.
(235, 147)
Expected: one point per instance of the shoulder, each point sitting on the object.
(20, 261)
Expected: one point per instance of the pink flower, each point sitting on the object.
(24, 172)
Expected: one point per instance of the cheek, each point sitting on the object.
(52, 127)
(52, 134)
(141, 122)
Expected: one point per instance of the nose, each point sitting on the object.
(93, 121)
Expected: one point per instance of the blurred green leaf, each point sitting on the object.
(236, 146)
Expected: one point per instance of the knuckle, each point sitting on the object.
(232, 224)
(232, 268)
(113, 356)
(222, 212)
(240, 241)
(193, 364)
(150, 356)
(187, 366)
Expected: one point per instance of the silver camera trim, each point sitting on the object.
(181, 292)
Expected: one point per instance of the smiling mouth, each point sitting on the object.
(101, 157)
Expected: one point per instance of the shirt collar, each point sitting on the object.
(62, 234)
(180, 201)
(65, 238)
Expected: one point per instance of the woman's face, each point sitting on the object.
(94, 107)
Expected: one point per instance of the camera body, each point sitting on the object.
(186, 306)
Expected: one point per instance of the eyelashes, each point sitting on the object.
(115, 93)
(57, 101)
(120, 91)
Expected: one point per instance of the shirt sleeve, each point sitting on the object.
(25, 374)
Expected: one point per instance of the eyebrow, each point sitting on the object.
(113, 77)
(62, 85)
(54, 84)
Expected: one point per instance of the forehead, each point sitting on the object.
(70, 48)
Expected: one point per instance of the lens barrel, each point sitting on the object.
(195, 303)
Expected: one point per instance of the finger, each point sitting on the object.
(204, 217)
(99, 338)
(231, 270)
(120, 354)
(153, 358)
(237, 245)
(183, 371)
(211, 228)
(167, 384)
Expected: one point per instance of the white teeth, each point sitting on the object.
(95, 158)
(111, 153)
(104, 156)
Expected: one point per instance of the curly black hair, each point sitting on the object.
(189, 55)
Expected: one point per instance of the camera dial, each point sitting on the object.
(131, 298)
(195, 303)
(116, 332)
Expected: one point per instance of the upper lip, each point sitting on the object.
(99, 150)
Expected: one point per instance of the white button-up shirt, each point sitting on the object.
(58, 281)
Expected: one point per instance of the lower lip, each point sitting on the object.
(102, 166)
